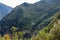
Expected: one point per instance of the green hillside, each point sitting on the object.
(30, 16)
(52, 31)
(38, 21)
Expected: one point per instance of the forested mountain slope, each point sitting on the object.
(51, 32)
(31, 16)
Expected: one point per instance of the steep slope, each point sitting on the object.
(52, 31)
(4, 10)
(31, 16)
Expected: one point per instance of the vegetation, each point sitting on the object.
(51, 32)
(39, 21)
(28, 16)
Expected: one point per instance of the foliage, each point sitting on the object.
(53, 31)
(32, 18)
(29, 16)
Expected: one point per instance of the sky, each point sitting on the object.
(14, 3)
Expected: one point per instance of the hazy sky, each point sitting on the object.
(14, 3)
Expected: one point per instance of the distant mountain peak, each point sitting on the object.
(25, 4)
(4, 10)
(4, 4)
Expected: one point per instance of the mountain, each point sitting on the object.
(4, 10)
(52, 31)
(31, 16)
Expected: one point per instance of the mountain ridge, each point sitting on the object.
(28, 18)
(6, 9)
